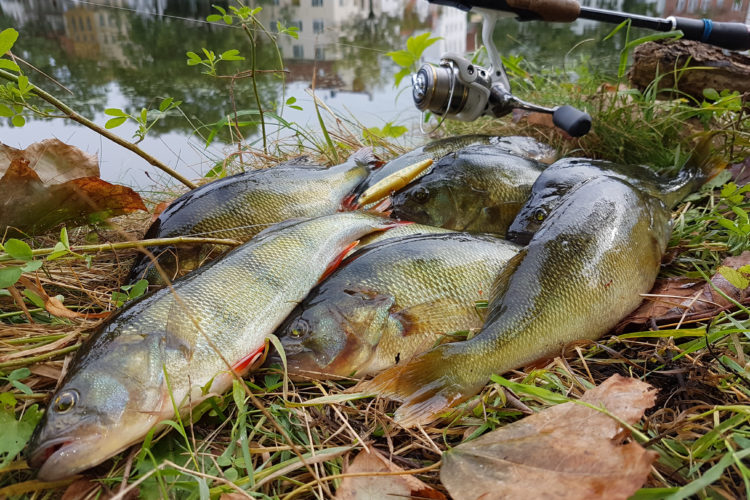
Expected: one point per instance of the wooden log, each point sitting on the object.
(695, 65)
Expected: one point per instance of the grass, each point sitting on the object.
(254, 442)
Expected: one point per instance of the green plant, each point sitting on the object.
(409, 58)
(129, 292)
(142, 118)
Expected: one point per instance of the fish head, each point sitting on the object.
(435, 199)
(107, 404)
(549, 191)
(335, 336)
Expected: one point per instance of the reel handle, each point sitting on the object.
(575, 122)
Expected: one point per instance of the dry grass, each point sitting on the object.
(269, 447)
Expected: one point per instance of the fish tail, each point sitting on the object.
(426, 385)
(703, 165)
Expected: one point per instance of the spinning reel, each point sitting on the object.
(459, 90)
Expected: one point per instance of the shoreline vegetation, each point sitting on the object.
(263, 441)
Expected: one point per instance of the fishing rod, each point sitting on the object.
(459, 90)
(727, 35)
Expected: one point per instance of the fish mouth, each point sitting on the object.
(64, 457)
(519, 237)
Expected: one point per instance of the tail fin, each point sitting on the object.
(702, 166)
(427, 386)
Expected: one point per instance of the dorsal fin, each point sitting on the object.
(500, 285)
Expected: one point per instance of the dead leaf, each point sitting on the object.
(568, 451)
(381, 487)
(80, 488)
(31, 206)
(741, 173)
(54, 306)
(53, 161)
(674, 298)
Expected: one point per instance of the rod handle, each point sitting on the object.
(732, 36)
(573, 121)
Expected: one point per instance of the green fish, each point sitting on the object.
(209, 327)
(398, 232)
(241, 206)
(391, 301)
(583, 271)
(526, 147)
(478, 189)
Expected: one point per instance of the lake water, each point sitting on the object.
(130, 54)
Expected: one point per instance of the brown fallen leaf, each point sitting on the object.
(80, 488)
(39, 200)
(673, 299)
(568, 451)
(53, 161)
(53, 304)
(381, 487)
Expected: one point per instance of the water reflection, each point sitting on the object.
(131, 53)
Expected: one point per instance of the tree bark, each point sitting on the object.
(694, 66)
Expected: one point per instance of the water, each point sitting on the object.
(130, 54)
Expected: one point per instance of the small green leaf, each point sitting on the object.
(138, 289)
(165, 104)
(291, 100)
(23, 83)
(232, 55)
(16, 433)
(115, 112)
(19, 373)
(21, 387)
(710, 93)
(734, 277)
(64, 238)
(144, 115)
(18, 249)
(115, 122)
(228, 19)
(58, 251)
(32, 266)
(8, 38)
(401, 75)
(402, 58)
(18, 121)
(5, 110)
(213, 18)
(8, 64)
(9, 276)
(34, 297)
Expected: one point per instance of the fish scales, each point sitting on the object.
(583, 270)
(241, 206)
(117, 382)
(391, 301)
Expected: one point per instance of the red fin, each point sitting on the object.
(337, 261)
(349, 203)
(244, 364)
(427, 386)
(384, 206)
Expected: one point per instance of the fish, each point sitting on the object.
(582, 271)
(526, 147)
(198, 333)
(563, 175)
(478, 188)
(390, 302)
(241, 206)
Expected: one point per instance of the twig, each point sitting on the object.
(69, 113)
(121, 245)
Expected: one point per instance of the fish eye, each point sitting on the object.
(300, 328)
(421, 194)
(65, 401)
(540, 214)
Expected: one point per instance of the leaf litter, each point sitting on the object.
(567, 451)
